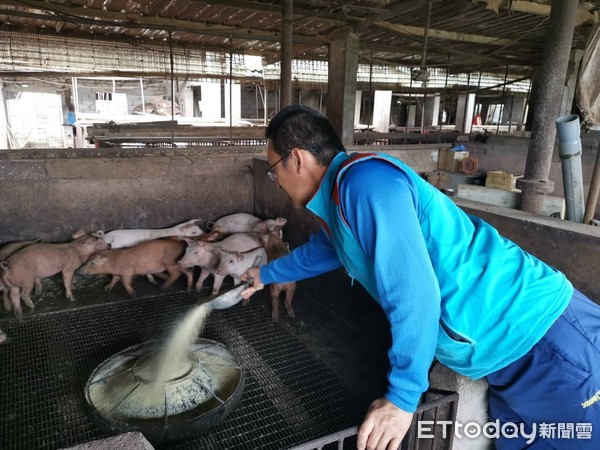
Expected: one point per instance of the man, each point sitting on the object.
(451, 287)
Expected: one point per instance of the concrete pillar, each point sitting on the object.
(571, 84)
(518, 111)
(512, 110)
(287, 18)
(341, 88)
(412, 115)
(357, 103)
(431, 110)
(310, 97)
(236, 103)
(381, 111)
(186, 100)
(210, 105)
(4, 126)
(559, 37)
(464, 113)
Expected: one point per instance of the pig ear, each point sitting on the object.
(78, 234)
(188, 240)
(266, 225)
(280, 221)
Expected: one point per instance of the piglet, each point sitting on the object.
(5, 252)
(205, 255)
(129, 238)
(24, 268)
(151, 257)
(276, 248)
(241, 223)
(236, 263)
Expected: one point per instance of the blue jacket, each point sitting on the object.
(449, 284)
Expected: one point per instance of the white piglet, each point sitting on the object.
(206, 255)
(129, 238)
(242, 223)
(236, 263)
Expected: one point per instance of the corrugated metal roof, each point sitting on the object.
(463, 34)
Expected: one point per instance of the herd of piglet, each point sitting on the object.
(229, 247)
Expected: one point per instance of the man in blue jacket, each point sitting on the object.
(451, 287)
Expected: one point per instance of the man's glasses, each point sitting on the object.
(272, 175)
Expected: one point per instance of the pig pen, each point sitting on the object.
(309, 380)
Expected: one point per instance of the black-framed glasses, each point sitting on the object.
(272, 175)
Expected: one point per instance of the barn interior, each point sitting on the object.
(126, 114)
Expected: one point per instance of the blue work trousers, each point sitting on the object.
(553, 391)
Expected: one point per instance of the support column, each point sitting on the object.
(4, 126)
(210, 104)
(571, 84)
(518, 111)
(236, 103)
(559, 36)
(287, 17)
(431, 110)
(464, 112)
(343, 65)
(381, 111)
(412, 114)
(357, 104)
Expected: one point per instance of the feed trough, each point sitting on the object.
(122, 393)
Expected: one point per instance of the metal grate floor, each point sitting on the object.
(290, 396)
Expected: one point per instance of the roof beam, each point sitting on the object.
(530, 7)
(448, 35)
(136, 21)
(299, 13)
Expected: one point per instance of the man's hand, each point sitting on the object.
(253, 273)
(384, 426)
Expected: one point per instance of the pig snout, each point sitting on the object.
(183, 262)
(89, 268)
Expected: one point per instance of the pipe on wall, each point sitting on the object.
(592, 199)
(569, 150)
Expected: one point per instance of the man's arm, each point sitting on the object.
(380, 206)
(315, 257)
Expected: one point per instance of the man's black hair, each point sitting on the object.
(303, 127)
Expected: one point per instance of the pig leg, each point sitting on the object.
(151, 279)
(6, 300)
(174, 273)
(114, 280)
(203, 276)
(68, 280)
(38, 285)
(189, 273)
(275, 290)
(289, 295)
(15, 299)
(217, 284)
(275, 306)
(26, 293)
(127, 279)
